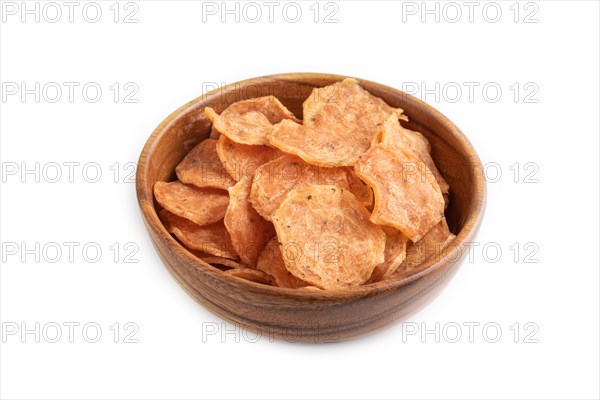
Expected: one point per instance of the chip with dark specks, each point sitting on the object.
(201, 206)
(337, 255)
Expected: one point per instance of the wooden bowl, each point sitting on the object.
(300, 314)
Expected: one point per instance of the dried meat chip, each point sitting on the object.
(249, 128)
(251, 275)
(407, 195)
(215, 261)
(327, 238)
(226, 262)
(392, 133)
(218, 262)
(361, 190)
(317, 147)
(249, 232)
(417, 139)
(395, 252)
(429, 246)
(250, 121)
(395, 249)
(202, 167)
(273, 180)
(269, 106)
(212, 239)
(339, 124)
(347, 106)
(201, 206)
(271, 262)
(241, 160)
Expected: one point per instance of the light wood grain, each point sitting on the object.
(300, 314)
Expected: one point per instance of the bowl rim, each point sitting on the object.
(451, 253)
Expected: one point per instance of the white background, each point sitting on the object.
(171, 55)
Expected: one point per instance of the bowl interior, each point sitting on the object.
(186, 127)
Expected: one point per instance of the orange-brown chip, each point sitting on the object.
(212, 239)
(389, 133)
(250, 121)
(317, 147)
(327, 238)
(251, 275)
(273, 180)
(201, 206)
(392, 133)
(347, 104)
(202, 167)
(271, 262)
(217, 262)
(407, 196)
(226, 262)
(340, 122)
(249, 232)
(361, 190)
(429, 246)
(395, 251)
(241, 160)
